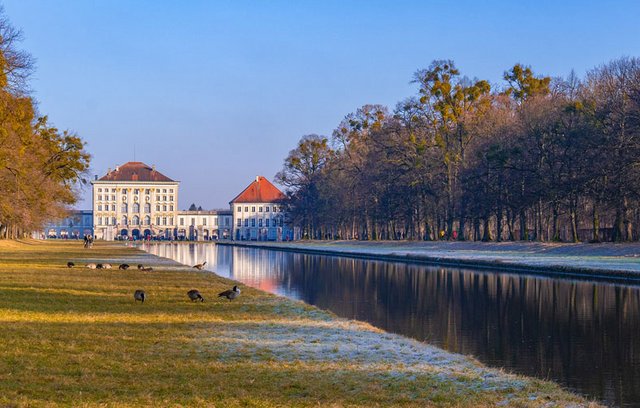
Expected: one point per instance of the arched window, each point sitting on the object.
(136, 207)
(124, 208)
(124, 220)
(147, 220)
(135, 220)
(147, 208)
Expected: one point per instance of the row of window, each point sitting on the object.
(124, 198)
(135, 220)
(106, 197)
(135, 208)
(253, 209)
(135, 190)
(163, 220)
(267, 222)
(204, 221)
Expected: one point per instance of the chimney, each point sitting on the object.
(257, 179)
(117, 168)
(109, 170)
(95, 177)
(153, 167)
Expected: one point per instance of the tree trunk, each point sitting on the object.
(628, 225)
(618, 227)
(486, 234)
(476, 229)
(555, 235)
(574, 224)
(524, 233)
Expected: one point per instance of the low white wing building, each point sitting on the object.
(205, 225)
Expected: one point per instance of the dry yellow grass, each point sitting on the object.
(75, 337)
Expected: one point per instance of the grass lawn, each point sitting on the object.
(76, 337)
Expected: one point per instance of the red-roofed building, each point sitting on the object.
(258, 213)
(135, 171)
(259, 191)
(134, 200)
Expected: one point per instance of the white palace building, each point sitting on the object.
(136, 201)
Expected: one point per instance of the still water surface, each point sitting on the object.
(582, 334)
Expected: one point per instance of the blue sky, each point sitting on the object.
(215, 93)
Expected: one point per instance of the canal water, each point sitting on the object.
(582, 334)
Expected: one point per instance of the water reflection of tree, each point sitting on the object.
(583, 334)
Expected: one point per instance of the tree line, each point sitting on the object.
(41, 167)
(533, 158)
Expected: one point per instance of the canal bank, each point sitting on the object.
(613, 262)
(78, 338)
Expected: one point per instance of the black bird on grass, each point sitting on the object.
(146, 269)
(70, 264)
(140, 266)
(139, 295)
(123, 266)
(231, 293)
(194, 295)
(200, 266)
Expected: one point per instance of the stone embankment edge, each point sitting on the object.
(607, 275)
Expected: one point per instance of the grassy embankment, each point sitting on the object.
(75, 337)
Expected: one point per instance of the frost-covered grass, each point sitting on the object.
(75, 337)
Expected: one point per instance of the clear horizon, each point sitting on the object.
(214, 94)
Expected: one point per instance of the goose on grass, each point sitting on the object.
(231, 293)
(139, 295)
(195, 295)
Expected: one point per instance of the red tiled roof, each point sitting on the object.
(259, 191)
(134, 171)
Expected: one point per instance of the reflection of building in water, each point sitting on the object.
(264, 270)
(78, 224)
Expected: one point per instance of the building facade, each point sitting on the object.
(78, 224)
(205, 225)
(258, 213)
(134, 201)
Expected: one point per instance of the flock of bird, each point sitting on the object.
(140, 295)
